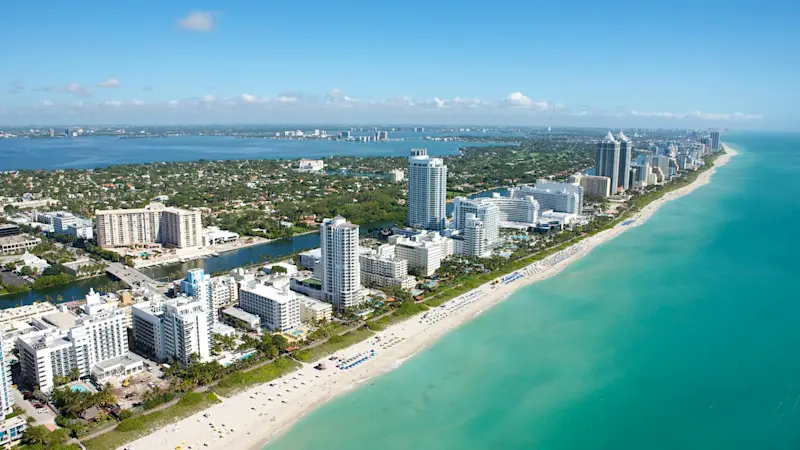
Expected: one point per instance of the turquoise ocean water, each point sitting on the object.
(683, 333)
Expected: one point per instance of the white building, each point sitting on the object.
(427, 191)
(6, 397)
(186, 330)
(551, 195)
(216, 293)
(154, 223)
(424, 252)
(383, 269)
(277, 306)
(661, 162)
(311, 165)
(397, 175)
(341, 273)
(214, 235)
(235, 316)
(312, 260)
(315, 311)
(166, 329)
(62, 220)
(484, 209)
(34, 262)
(66, 342)
(476, 241)
(81, 230)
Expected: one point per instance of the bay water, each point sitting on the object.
(681, 333)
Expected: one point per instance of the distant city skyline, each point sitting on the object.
(677, 65)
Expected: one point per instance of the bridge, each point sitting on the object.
(130, 276)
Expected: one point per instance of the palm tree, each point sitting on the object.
(37, 435)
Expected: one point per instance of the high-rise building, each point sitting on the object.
(382, 268)
(427, 190)
(67, 342)
(341, 274)
(715, 141)
(607, 160)
(486, 211)
(154, 223)
(6, 398)
(277, 306)
(551, 195)
(475, 237)
(661, 162)
(595, 186)
(166, 329)
(625, 153)
(217, 293)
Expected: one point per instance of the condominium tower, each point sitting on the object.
(607, 160)
(625, 152)
(427, 190)
(341, 273)
(155, 223)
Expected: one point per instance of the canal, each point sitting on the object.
(225, 261)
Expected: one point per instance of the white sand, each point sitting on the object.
(258, 414)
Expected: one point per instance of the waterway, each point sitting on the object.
(101, 151)
(225, 261)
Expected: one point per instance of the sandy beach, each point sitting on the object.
(253, 417)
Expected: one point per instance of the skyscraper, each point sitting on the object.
(341, 272)
(625, 152)
(715, 141)
(6, 399)
(607, 160)
(427, 190)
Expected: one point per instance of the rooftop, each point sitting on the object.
(240, 314)
(281, 296)
(62, 320)
(124, 360)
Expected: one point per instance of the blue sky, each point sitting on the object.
(620, 63)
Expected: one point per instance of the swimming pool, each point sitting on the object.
(79, 388)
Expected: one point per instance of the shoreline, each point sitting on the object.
(259, 414)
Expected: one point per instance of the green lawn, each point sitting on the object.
(135, 427)
(237, 381)
(333, 345)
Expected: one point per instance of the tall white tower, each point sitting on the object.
(427, 190)
(341, 272)
(607, 160)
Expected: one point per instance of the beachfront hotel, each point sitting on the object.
(341, 271)
(175, 328)
(66, 342)
(277, 306)
(424, 251)
(216, 293)
(594, 186)
(607, 160)
(382, 268)
(153, 224)
(427, 191)
(551, 195)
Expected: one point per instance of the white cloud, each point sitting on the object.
(174, 103)
(697, 115)
(286, 99)
(113, 103)
(109, 83)
(197, 21)
(208, 98)
(137, 102)
(247, 98)
(520, 100)
(47, 103)
(77, 89)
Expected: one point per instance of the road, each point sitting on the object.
(129, 276)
